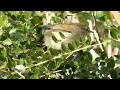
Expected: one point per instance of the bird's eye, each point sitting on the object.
(67, 16)
(86, 28)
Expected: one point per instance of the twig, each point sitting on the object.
(50, 73)
(19, 73)
(95, 33)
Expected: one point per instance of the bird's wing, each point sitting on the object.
(58, 30)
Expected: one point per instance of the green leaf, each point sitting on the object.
(53, 76)
(13, 17)
(29, 61)
(2, 58)
(103, 70)
(116, 44)
(55, 39)
(64, 48)
(35, 76)
(87, 16)
(45, 56)
(99, 14)
(51, 65)
(89, 39)
(103, 55)
(53, 51)
(113, 74)
(17, 50)
(83, 20)
(111, 63)
(1, 31)
(70, 46)
(62, 35)
(77, 42)
(108, 14)
(7, 42)
(28, 14)
(109, 22)
(98, 59)
(74, 44)
(4, 52)
(57, 19)
(36, 20)
(102, 63)
(82, 39)
(3, 65)
(115, 33)
(58, 61)
(103, 18)
(3, 21)
(15, 13)
(20, 61)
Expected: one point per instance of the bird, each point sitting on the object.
(64, 33)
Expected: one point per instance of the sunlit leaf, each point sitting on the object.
(28, 14)
(3, 64)
(4, 52)
(99, 14)
(1, 31)
(83, 20)
(7, 42)
(3, 21)
(109, 16)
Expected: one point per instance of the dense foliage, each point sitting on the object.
(24, 56)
